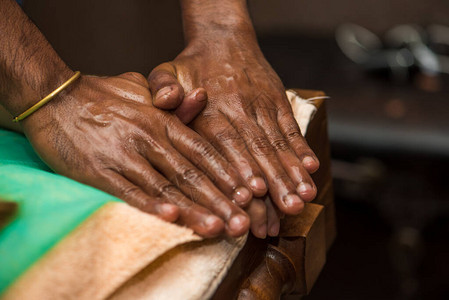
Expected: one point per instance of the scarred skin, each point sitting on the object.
(105, 132)
(247, 116)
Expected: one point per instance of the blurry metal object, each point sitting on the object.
(357, 43)
(365, 48)
(405, 47)
(414, 39)
(439, 35)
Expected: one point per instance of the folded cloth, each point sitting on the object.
(71, 241)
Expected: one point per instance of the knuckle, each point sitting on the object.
(226, 135)
(280, 145)
(282, 177)
(166, 189)
(131, 192)
(261, 146)
(202, 150)
(293, 135)
(192, 176)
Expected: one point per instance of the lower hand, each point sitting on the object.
(105, 132)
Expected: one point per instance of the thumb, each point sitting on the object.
(167, 92)
(192, 104)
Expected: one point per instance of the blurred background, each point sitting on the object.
(385, 65)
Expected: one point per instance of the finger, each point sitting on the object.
(290, 129)
(203, 155)
(165, 89)
(194, 216)
(228, 142)
(273, 219)
(258, 215)
(282, 189)
(198, 188)
(266, 118)
(117, 185)
(192, 104)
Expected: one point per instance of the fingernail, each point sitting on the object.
(306, 191)
(258, 184)
(200, 95)
(274, 229)
(262, 231)
(241, 195)
(308, 160)
(163, 92)
(304, 188)
(292, 200)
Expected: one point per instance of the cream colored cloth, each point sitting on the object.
(303, 109)
(123, 253)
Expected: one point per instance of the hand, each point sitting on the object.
(248, 118)
(104, 132)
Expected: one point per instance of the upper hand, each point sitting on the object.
(248, 118)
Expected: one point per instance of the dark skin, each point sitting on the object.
(105, 132)
(247, 117)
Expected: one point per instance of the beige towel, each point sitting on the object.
(123, 253)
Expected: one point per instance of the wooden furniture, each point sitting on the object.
(290, 263)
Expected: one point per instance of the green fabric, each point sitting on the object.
(50, 206)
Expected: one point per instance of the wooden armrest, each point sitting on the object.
(290, 263)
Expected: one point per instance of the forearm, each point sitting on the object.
(210, 19)
(29, 66)
(5, 120)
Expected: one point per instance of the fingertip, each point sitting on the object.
(292, 204)
(311, 164)
(198, 95)
(274, 229)
(211, 226)
(238, 225)
(258, 186)
(260, 231)
(306, 191)
(168, 97)
(242, 196)
(168, 212)
(192, 104)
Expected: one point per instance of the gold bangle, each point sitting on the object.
(50, 96)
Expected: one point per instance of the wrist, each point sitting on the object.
(33, 86)
(210, 19)
(224, 47)
(50, 113)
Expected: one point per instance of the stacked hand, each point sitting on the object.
(106, 133)
(248, 119)
(109, 132)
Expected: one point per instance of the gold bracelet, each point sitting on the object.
(50, 96)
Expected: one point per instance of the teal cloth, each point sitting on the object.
(50, 206)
